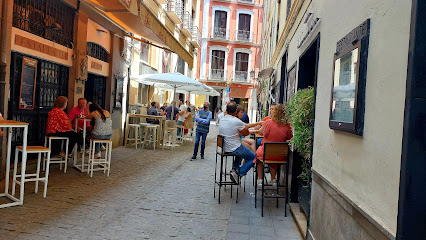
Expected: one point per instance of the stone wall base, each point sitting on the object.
(334, 216)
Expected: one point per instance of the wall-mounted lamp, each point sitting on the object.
(252, 73)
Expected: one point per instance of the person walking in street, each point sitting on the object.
(202, 118)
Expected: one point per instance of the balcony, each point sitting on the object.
(186, 27)
(243, 36)
(196, 37)
(219, 33)
(241, 76)
(217, 74)
(174, 10)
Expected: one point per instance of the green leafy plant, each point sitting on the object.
(299, 113)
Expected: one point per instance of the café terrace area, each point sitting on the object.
(149, 194)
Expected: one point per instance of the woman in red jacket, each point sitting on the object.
(58, 123)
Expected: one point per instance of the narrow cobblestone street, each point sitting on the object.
(149, 195)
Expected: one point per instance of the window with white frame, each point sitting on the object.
(220, 22)
(241, 66)
(217, 65)
(244, 25)
(242, 59)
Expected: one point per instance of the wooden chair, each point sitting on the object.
(274, 153)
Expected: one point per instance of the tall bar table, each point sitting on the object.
(162, 120)
(81, 166)
(10, 125)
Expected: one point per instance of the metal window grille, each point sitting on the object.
(49, 19)
(97, 51)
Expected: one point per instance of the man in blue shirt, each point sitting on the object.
(203, 123)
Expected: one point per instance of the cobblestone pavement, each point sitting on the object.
(149, 195)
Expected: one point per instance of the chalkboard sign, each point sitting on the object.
(28, 83)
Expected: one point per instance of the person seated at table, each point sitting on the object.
(251, 143)
(58, 124)
(153, 111)
(163, 109)
(103, 125)
(274, 130)
(170, 109)
(78, 113)
(231, 128)
(247, 142)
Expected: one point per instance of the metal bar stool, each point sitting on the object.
(103, 164)
(222, 173)
(60, 160)
(32, 177)
(274, 153)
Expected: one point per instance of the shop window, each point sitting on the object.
(49, 19)
(349, 79)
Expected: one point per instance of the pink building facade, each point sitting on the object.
(230, 50)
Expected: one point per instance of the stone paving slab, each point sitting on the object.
(149, 195)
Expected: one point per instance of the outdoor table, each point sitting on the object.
(83, 164)
(256, 136)
(161, 119)
(14, 124)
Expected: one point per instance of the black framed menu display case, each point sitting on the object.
(349, 80)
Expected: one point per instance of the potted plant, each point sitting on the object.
(300, 112)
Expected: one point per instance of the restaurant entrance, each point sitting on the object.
(95, 89)
(51, 81)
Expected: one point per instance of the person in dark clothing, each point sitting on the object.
(170, 109)
(152, 111)
(202, 118)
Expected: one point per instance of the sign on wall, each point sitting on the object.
(28, 83)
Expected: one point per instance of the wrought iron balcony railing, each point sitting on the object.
(241, 76)
(217, 74)
(187, 24)
(243, 36)
(196, 37)
(174, 9)
(220, 33)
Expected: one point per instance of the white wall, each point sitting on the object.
(366, 169)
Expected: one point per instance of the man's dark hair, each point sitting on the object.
(231, 107)
(153, 104)
(181, 100)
